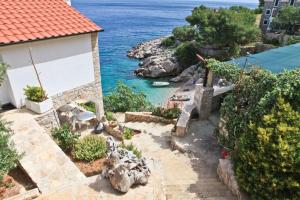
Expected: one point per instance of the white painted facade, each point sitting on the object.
(63, 64)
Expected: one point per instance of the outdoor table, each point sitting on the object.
(83, 117)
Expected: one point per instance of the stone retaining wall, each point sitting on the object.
(146, 117)
(48, 120)
(226, 175)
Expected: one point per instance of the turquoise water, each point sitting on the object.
(275, 60)
(129, 22)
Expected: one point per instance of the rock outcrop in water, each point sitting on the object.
(156, 61)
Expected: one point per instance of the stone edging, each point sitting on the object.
(226, 175)
(146, 117)
(31, 194)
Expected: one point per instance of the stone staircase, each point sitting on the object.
(207, 186)
(45, 163)
(201, 144)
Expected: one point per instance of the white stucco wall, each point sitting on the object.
(63, 64)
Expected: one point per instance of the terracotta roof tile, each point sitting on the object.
(27, 20)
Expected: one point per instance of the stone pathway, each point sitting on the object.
(43, 160)
(175, 176)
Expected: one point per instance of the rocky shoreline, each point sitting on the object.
(156, 61)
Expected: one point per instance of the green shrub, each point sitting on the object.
(132, 148)
(168, 113)
(128, 133)
(90, 148)
(64, 137)
(8, 155)
(124, 99)
(184, 33)
(168, 42)
(3, 69)
(89, 106)
(186, 53)
(268, 156)
(110, 116)
(34, 93)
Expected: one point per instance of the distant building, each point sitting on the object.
(64, 48)
(271, 9)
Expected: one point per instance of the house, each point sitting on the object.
(61, 42)
(271, 9)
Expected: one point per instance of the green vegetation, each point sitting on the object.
(110, 116)
(34, 93)
(125, 98)
(184, 33)
(186, 53)
(90, 148)
(223, 29)
(8, 154)
(168, 42)
(89, 106)
(3, 69)
(267, 164)
(168, 113)
(128, 133)
(65, 139)
(288, 19)
(132, 148)
(262, 120)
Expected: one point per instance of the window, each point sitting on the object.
(268, 11)
(266, 22)
(292, 2)
(276, 3)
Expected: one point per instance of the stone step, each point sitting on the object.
(197, 196)
(44, 162)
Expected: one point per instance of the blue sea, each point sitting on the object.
(129, 22)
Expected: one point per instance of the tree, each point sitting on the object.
(225, 27)
(288, 19)
(184, 33)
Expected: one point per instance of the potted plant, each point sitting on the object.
(37, 99)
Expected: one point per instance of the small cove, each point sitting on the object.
(127, 23)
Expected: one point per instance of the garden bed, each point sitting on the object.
(90, 168)
(16, 182)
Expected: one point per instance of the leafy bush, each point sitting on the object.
(110, 116)
(3, 69)
(132, 148)
(267, 164)
(186, 53)
(34, 93)
(168, 42)
(8, 154)
(124, 98)
(89, 106)
(168, 113)
(90, 148)
(128, 133)
(64, 137)
(224, 70)
(184, 33)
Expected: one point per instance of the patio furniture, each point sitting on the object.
(81, 117)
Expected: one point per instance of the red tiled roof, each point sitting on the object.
(28, 20)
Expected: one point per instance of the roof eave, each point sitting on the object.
(50, 38)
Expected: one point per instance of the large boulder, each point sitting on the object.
(125, 169)
(156, 61)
